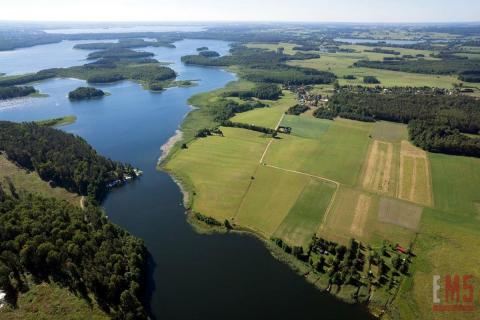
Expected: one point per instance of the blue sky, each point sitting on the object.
(242, 10)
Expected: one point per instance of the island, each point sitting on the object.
(85, 93)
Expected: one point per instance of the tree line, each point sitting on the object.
(15, 92)
(264, 91)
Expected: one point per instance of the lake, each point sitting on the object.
(192, 276)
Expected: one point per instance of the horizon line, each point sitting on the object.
(158, 22)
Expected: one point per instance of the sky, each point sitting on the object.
(242, 10)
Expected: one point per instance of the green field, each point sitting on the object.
(268, 117)
(337, 154)
(219, 169)
(306, 215)
(306, 127)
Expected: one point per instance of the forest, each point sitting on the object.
(266, 66)
(45, 239)
(122, 43)
(437, 137)
(119, 53)
(15, 92)
(27, 78)
(60, 158)
(437, 120)
(444, 66)
(402, 105)
(82, 93)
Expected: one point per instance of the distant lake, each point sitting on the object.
(36, 58)
(389, 41)
(191, 276)
(122, 29)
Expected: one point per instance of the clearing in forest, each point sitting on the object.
(414, 181)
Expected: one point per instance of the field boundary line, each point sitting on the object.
(271, 140)
(337, 185)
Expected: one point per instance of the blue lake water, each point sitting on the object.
(192, 276)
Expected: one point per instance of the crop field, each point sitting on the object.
(264, 207)
(455, 184)
(216, 164)
(353, 211)
(399, 213)
(304, 218)
(389, 131)
(306, 127)
(336, 154)
(415, 180)
(380, 169)
(268, 117)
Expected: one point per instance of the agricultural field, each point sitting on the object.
(341, 179)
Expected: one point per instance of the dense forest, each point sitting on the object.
(44, 239)
(61, 158)
(438, 137)
(82, 93)
(15, 92)
(122, 43)
(119, 53)
(405, 104)
(444, 66)
(27, 78)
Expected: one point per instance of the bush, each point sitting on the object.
(370, 80)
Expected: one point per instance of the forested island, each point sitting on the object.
(84, 93)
